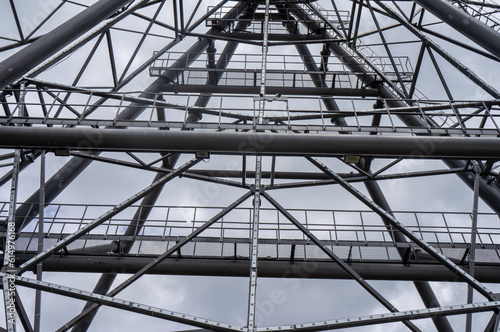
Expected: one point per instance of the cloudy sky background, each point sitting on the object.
(225, 299)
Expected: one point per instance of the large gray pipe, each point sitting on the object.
(467, 25)
(250, 143)
(267, 268)
(32, 55)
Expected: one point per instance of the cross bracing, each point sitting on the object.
(301, 111)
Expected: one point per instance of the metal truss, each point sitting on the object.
(290, 104)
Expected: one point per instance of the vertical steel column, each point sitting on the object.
(38, 293)
(142, 213)
(472, 252)
(252, 294)
(9, 258)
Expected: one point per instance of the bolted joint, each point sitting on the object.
(255, 205)
(8, 269)
(253, 188)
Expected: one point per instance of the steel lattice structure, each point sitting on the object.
(264, 140)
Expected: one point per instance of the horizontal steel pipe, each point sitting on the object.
(249, 143)
(272, 36)
(267, 269)
(272, 90)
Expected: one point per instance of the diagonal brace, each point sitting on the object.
(406, 231)
(385, 318)
(337, 260)
(158, 260)
(114, 211)
(23, 316)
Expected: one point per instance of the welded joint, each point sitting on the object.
(253, 188)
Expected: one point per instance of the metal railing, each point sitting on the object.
(341, 229)
(285, 114)
(276, 26)
(242, 69)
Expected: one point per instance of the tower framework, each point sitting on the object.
(274, 165)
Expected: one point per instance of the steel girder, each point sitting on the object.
(249, 143)
(104, 284)
(415, 271)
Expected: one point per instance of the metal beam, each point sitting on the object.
(152, 263)
(385, 318)
(467, 25)
(9, 287)
(114, 211)
(249, 143)
(271, 36)
(423, 288)
(41, 236)
(416, 271)
(488, 194)
(32, 55)
(448, 57)
(472, 252)
(351, 177)
(272, 90)
(372, 291)
(407, 232)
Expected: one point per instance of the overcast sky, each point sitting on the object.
(280, 300)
